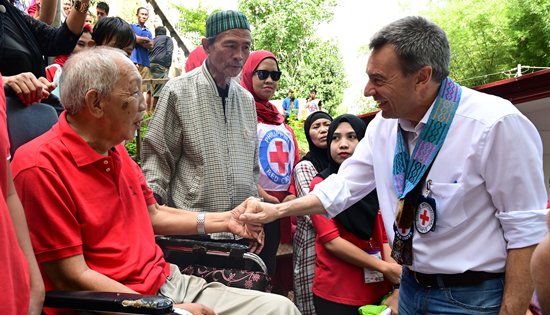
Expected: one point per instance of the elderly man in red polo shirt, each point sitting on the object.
(90, 210)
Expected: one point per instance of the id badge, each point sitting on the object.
(372, 276)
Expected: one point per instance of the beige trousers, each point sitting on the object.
(222, 299)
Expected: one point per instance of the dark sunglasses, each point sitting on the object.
(263, 74)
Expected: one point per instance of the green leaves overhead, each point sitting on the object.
(287, 28)
(489, 38)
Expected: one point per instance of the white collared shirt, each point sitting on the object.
(487, 181)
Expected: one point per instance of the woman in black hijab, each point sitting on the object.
(350, 270)
(316, 130)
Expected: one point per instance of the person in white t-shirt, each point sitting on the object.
(313, 104)
(466, 208)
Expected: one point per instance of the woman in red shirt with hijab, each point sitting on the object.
(353, 266)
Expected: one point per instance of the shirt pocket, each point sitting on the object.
(449, 201)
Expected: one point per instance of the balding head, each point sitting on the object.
(101, 90)
(97, 68)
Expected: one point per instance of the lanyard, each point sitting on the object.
(408, 172)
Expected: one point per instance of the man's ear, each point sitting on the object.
(92, 101)
(205, 45)
(424, 76)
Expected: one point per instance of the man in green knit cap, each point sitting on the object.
(200, 152)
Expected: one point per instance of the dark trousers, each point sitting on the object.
(271, 244)
(326, 307)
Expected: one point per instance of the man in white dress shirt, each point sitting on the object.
(465, 210)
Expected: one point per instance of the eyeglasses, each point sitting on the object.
(263, 74)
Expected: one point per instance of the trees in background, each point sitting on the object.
(192, 21)
(490, 38)
(287, 28)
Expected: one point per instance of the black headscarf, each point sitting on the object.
(317, 156)
(359, 219)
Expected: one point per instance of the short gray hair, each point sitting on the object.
(418, 43)
(94, 68)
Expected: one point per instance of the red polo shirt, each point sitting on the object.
(80, 202)
(14, 270)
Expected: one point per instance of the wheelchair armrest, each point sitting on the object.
(202, 245)
(109, 302)
(202, 250)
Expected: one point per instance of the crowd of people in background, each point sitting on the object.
(378, 217)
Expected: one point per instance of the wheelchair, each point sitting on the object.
(226, 262)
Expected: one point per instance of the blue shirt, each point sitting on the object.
(286, 106)
(140, 55)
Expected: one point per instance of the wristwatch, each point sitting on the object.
(81, 7)
(200, 223)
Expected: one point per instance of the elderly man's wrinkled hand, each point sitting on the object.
(28, 88)
(256, 211)
(256, 245)
(248, 230)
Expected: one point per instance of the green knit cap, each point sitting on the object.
(225, 20)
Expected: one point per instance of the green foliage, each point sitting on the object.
(287, 28)
(130, 9)
(323, 70)
(490, 37)
(529, 23)
(298, 128)
(192, 21)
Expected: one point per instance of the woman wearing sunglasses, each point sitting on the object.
(278, 148)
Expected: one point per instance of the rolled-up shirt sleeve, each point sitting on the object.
(523, 228)
(511, 164)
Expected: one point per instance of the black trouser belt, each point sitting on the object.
(468, 278)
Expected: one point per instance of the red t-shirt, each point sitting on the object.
(339, 281)
(80, 202)
(14, 270)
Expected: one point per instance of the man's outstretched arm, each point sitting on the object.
(255, 211)
(171, 221)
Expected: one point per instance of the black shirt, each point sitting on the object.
(24, 40)
(162, 51)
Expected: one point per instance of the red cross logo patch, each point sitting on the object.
(425, 218)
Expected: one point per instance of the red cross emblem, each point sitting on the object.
(402, 233)
(424, 217)
(279, 156)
